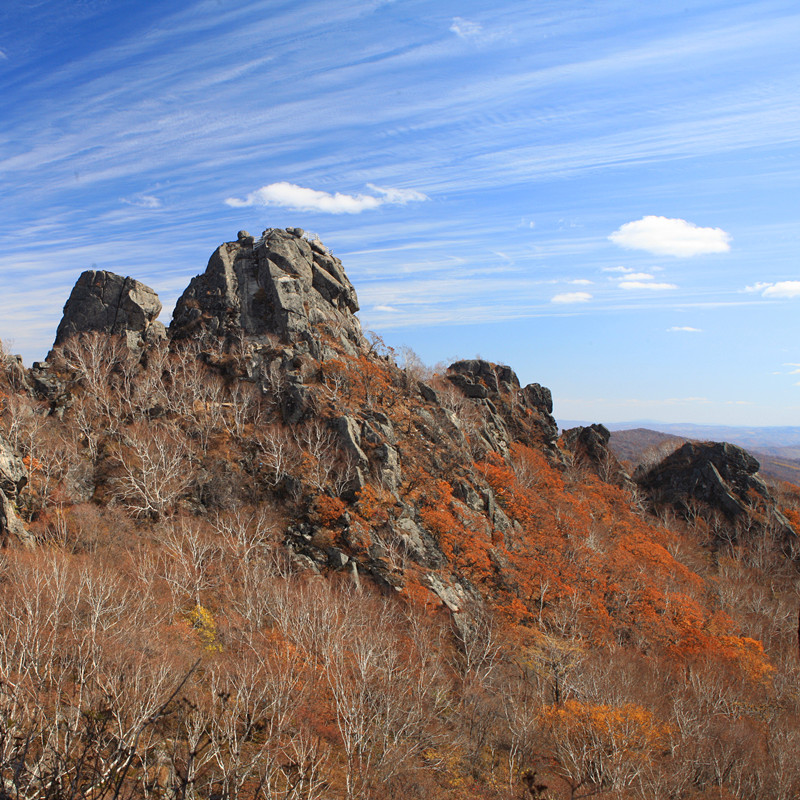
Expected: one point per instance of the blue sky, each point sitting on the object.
(603, 195)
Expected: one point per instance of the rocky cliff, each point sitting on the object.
(13, 478)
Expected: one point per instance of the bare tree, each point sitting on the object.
(153, 469)
(278, 454)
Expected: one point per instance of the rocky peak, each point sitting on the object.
(590, 442)
(280, 285)
(105, 302)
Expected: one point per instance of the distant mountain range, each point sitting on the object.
(777, 448)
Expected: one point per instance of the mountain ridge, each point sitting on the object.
(342, 578)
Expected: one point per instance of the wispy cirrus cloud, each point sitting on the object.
(141, 201)
(466, 29)
(781, 289)
(300, 198)
(628, 279)
(671, 237)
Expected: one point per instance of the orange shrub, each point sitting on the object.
(327, 510)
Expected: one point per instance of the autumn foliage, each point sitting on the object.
(366, 602)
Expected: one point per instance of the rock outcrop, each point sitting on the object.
(283, 301)
(104, 302)
(510, 410)
(717, 481)
(281, 285)
(589, 447)
(590, 442)
(279, 312)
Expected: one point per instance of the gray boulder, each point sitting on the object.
(589, 446)
(105, 302)
(280, 285)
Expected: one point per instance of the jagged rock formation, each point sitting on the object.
(12, 480)
(108, 303)
(284, 301)
(281, 285)
(105, 304)
(509, 409)
(476, 409)
(718, 481)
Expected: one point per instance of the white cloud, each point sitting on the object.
(672, 237)
(781, 289)
(656, 287)
(386, 309)
(3, 56)
(581, 282)
(617, 269)
(299, 198)
(684, 329)
(572, 297)
(638, 276)
(141, 201)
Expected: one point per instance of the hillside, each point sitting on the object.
(638, 444)
(251, 556)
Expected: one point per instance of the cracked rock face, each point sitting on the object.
(281, 285)
(105, 302)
